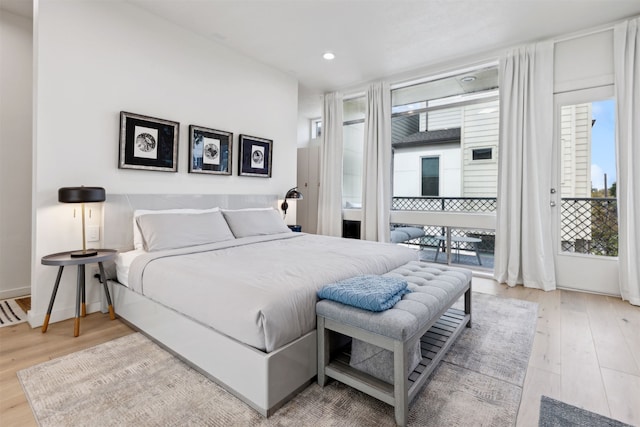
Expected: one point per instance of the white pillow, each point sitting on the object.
(180, 230)
(255, 222)
(138, 242)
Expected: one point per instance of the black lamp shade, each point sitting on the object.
(81, 194)
(293, 194)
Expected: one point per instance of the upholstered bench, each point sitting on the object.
(422, 321)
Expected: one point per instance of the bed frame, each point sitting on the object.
(265, 381)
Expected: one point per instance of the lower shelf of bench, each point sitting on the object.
(434, 345)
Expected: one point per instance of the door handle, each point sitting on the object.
(552, 204)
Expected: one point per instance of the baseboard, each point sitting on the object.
(36, 319)
(15, 292)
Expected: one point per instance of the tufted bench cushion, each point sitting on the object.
(432, 288)
(385, 343)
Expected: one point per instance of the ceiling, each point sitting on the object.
(376, 39)
(373, 39)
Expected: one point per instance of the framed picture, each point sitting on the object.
(255, 156)
(209, 150)
(148, 143)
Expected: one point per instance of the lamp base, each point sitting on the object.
(85, 253)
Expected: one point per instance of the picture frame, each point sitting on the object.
(255, 157)
(148, 143)
(210, 150)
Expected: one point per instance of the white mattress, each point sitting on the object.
(259, 291)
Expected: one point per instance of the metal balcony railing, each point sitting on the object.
(589, 226)
(448, 204)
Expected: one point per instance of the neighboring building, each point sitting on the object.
(457, 146)
(575, 137)
(575, 173)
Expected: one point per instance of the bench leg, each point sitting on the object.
(467, 305)
(400, 383)
(324, 351)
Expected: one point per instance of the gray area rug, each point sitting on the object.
(554, 413)
(132, 381)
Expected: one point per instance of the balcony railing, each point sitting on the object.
(447, 204)
(589, 226)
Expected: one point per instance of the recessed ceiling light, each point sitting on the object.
(328, 56)
(467, 79)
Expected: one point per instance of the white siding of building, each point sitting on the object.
(575, 167)
(575, 134)
(480, 130)
(443, 119)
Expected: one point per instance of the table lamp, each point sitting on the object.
(82, 195)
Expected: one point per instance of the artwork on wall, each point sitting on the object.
(210, 150)
(148, 143)
(255, 156)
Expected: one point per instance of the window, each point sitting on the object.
(588, 215)
(316, 128)
(445, 148)
(352, 152)
(455, 119)
(481, 154)
(431, 176)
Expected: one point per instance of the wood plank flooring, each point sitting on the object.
(586, 352)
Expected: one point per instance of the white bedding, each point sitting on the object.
(258, 290)
(123, 262)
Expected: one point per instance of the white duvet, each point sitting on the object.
(258, 290)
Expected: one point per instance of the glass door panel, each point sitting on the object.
(587, 229)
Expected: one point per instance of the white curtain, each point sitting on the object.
(330, 191)
(524, 242)
(376, 175)
(626, 53)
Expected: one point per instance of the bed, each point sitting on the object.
(239, 308)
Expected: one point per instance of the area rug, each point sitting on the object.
(11, 313)
(132, 381)
(554, 413)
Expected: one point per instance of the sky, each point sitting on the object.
(603, 155)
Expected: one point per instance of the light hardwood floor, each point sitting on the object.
(586, 352)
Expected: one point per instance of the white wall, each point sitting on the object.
(583, 62)
(95, 59)
(407, 170)
(309, 107)
(15, 162)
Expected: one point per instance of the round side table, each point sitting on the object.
(64, 258)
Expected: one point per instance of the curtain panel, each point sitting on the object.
(330, 191)
(524, 242)
(376, 176)
(626, 54)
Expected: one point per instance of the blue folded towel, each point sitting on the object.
(373, 293)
